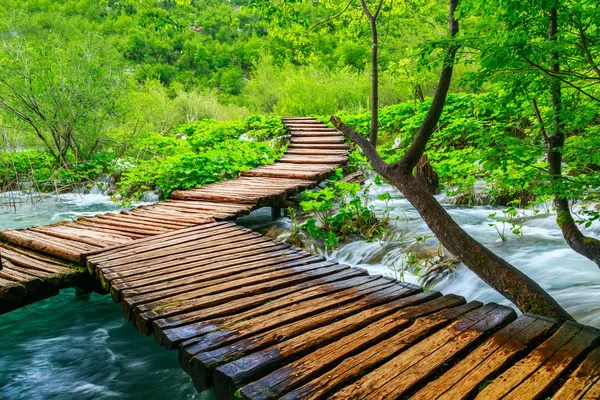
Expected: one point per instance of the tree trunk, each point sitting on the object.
(374, 86)
(425, 174)
(586, 246)
(419, 93)
(525, 293)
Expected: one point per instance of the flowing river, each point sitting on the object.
(69, 347)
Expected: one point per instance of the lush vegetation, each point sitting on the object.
(159, 94)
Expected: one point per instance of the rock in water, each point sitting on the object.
(427, 176)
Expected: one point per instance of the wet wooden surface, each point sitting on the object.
(257, 319)
(264, 186)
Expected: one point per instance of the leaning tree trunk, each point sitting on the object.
(586, 246)
(525, 293)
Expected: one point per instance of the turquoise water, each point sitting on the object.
(69, 347)
(81, 348)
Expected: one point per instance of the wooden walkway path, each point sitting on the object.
(40, 260)
(258, 319)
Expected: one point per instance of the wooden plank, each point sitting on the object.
(297, 128)
(171, 244)
(11, 291)
(10, 273)
(103, 224)
(144, 320)
(316, 364)
(145, 313)
(401, 373)
(233, 375)
(318, 146)
(27, 240)
(113, 221)
(316, 152)
(166, 221)
(141, 264)
(26, 261)
(287, 173)
(310, 160)
(284, 323)
(318, 140)
(156, 240)
(582, 380)
(536, 372)
(178, 269)
(176, 264)
(90, 227)
(547, 373)
(237, 270)
(593, 393)
(197, 320)
(68, 233)
(173, 336)
(494, 355)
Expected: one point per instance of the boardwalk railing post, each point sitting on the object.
(275, 213)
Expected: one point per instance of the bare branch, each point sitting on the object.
(368, 149)
(333, 17)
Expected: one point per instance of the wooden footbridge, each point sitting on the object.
(257, 319)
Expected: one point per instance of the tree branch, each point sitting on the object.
(368, 149)
(415, 151)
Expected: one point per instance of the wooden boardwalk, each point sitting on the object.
(258, 319)
(315, 151)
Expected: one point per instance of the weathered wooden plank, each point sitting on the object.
(25, 260)
(136, 296)
(93, 228)
(27, 240)
(283, 323)
(135, 279)
(318, 146)
(47, 277)
(410, 367)
(12, 291)
(316, 364)
(297, 128)
(144, 320)
(582, 380)
(173, 336)
(195, 320)
(165, 221)
(318, 140)
(173, 244)
(205, 205)
(152, 272)
(174, 263)
(10, 273)
(310, 160)
(159, 240)
(103, 224)
(233, 375)
(144, 312)
(88, 237)
(555, 353)
(540, 379)
(316, 152)
(67, 229)
(594, 392)
(495, 354)
(111, 220)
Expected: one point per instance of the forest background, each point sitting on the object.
(158, 93)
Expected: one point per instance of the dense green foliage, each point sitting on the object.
(338, 211)
(92, 87)
(191, 154)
